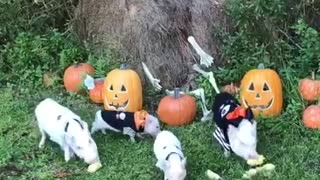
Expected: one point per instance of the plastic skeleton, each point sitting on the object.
(206, 60)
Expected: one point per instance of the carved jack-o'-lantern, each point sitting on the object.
(261, 89)
(122, 90)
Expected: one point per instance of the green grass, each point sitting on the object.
(294, 150)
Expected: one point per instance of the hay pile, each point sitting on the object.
(154, 32)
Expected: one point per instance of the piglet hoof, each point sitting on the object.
(67, 155)
(103, 131)
(226, 154)
(132, 139)
(92, 131)
(67, 158)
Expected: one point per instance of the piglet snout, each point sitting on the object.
(253, 155)
(92, 160)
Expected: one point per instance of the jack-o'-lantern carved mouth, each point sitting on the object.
(262, 107)
(119, 106)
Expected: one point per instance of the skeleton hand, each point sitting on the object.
(155, 82)
(205, 58)
(206, 113)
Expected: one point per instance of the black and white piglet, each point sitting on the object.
(236, 128)
(67, 129)
(129, 123)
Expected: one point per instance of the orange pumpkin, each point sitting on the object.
(74, 75)
(122, 90)
(311, 117)
(231, 88)
(95, 94)
(176, 110)
(309, 88)
(261, 89)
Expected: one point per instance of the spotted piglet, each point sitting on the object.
(66, 129)
(129, 123)
(170, 158)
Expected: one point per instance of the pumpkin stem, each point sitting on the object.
(261, 66)
(77, 64)
(176, 93)
(123, 66)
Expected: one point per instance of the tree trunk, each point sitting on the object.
(154, 32)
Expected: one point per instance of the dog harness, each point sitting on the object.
(120, 119)
(228, 111)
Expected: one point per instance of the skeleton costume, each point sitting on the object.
(125, 120)
(228, 111)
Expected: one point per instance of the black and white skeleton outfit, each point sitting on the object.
(228, 111)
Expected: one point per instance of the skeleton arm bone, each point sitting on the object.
(208, 75)
(205, 58)
(155, 82)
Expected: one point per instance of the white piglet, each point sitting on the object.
(170, 158)
(67, 129)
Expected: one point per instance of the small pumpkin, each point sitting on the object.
(309, 88)
(122, 90)
(261, 90)
(231, 88)
(95, 94)
(74, 75)
(179, 109)
(311, 117)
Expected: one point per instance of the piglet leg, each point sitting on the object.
(43, 139)
(67, 153)
(103, 131)
(130, 132)
(140, 135)
(226, 154)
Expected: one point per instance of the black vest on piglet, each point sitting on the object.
(110, 117)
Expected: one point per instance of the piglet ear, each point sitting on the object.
(166, 164)
(249, 114)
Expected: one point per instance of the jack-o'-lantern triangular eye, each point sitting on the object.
(265, 87)
(251, 87)
(111, 88)
(123, 88)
